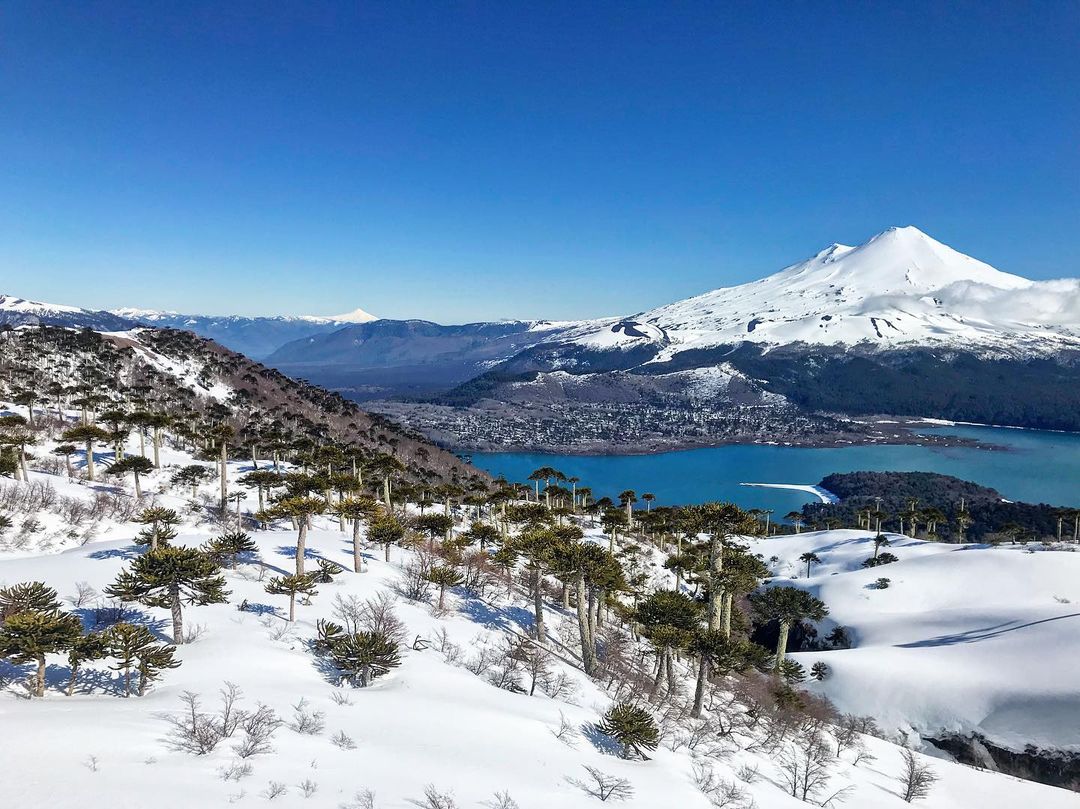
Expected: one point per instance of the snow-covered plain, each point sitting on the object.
(966, 638)
(430, 721)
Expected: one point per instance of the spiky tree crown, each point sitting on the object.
(153, 576)
(630, 726)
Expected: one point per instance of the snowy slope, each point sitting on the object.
(967, 638)
(431, 721)
(15, 311)
(900, 288)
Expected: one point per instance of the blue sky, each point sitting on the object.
(466, 161)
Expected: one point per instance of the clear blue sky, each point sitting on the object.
(464, 161)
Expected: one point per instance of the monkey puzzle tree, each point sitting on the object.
(93, 646)
(191, 475)
(291, 586)
(28, 636)
(444, 576)
(301, 509)
(136, 649)
(364, 656)
(66, 451)
(632, 727)
(435, 525)
(810, 559)
(159, 524)
(385, 529)
(787, 606)
(170, 578)
(137, 465)
(87, 435)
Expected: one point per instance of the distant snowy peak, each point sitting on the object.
(901, 287)
(15, 311)
(355, 316)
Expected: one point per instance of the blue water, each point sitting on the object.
(1036, 467)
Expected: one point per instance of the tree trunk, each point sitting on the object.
(538, 607)
(138, 487)
(781, 644)
(386, 546)
(224, 476)
(177, 615)
(301, 546)
(716, 570)
(588, 645)
(157, 447)
(357, 558)
(22, 463)
(729, 599)
(71, 680)
(699, 689)
(386, 493)
(292, 607)
(67, 465)
(142, 682)
(39, 680)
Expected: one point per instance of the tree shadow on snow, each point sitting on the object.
(128, 552)
(504, 618)
(601, 741)
(986, 633)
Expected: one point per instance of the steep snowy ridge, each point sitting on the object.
(900, 288)
(15, 311)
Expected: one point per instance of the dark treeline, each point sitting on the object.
(937, 506)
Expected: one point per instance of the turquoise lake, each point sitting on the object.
(1034, 466)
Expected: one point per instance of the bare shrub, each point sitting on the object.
(603, 786)
(916, 780)
(364, 799)
(306, 721)
(433, 799)
(414, 583)
(192, 731)
(502, 800)
(805, 764)
(84, 594)
(275, 789)
(720, 792)
(259, 727)
(307, 787)
(341, 697)
(566, 732)
(235, 771)
(343, 740)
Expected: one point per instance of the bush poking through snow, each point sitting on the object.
(433, 799)
(364, 656)
(632, 727)
(305, 721)
(343, 740)
(603, 786)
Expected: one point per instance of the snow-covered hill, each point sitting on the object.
(965, 639)
(254, 336)
(900, 288)
(439, 722)
(15, 311)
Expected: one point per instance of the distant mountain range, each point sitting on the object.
(901, 324)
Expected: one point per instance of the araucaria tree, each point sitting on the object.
(356, 510)
(28, 636)
(137, 465)
(632, 727)
(363, 656)
(787, 606)
(291, 586)
(300, 509)
(136, 650)
(87, 435)
(171, 577)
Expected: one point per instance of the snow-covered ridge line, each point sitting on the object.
(899, 288)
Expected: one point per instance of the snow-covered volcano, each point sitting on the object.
(899, 288)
